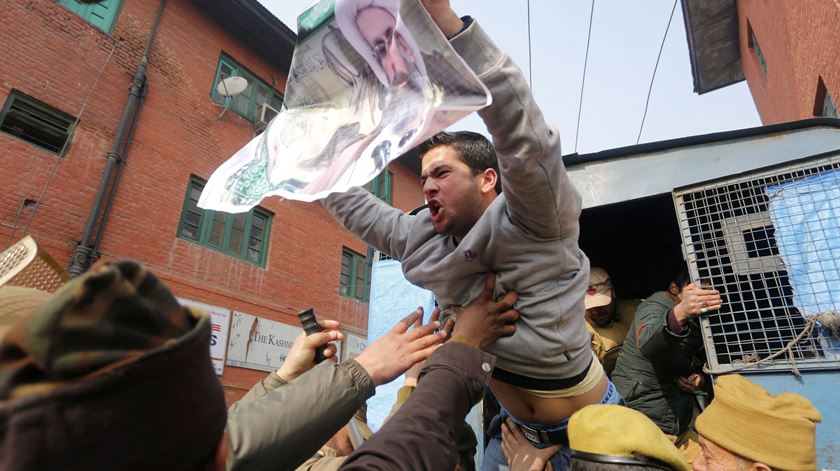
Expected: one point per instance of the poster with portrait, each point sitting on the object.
(369, 80)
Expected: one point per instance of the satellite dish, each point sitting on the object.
(232, 86)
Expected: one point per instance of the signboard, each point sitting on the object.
(219, 321)
(353, 345)
(259, 344)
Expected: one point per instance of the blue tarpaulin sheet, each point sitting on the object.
(392, 297)
(806, 219)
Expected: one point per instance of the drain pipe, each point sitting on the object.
(85, 253)
(119, 170)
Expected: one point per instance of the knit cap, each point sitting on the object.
(606, 433)
(778, 430)
(110, 372)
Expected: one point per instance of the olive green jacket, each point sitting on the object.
(278, 428)
(651, 357)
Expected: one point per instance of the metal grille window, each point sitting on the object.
(247, 104)
(355, 276)
(242, 235)
(753, 44)
(36, 123)
(770, 243)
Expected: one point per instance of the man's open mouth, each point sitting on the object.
(434, 209)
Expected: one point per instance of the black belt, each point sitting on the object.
(542, 437)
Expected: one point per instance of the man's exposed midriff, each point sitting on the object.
(529, 408)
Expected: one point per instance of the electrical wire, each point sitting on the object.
(64, 147)
(583, 81)
(655, 67)
(530, 74)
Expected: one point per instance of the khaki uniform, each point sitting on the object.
(607, 341)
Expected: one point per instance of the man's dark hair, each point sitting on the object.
(681, 277)
(472, 148)
(584, 465)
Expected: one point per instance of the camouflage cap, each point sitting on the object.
(110, 370)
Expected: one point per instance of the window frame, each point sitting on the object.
(205, 226)
(254, 83)
(349, 291)
(15, 95)
(374, 186)
(829, 109)
(89, 9)
(752, 43)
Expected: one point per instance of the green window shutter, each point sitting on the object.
(36, 123)
(242, 235)
(247, 104)
(100, 14)
(354, 278)
(829, 110)
(381, 186)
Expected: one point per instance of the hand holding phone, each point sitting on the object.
(311, 326)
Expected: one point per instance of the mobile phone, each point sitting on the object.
(311, 326)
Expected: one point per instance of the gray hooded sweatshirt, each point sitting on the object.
(528, 235)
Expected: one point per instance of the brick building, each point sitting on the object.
(65, 72)
(788, 52)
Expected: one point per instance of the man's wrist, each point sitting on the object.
(465, 340)
(449, 22)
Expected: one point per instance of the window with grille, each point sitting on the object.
(242, 235)
(381, 186)
(824, 105)
(770, 243)
(753, 44)
(36, 123)
(101, 13)
(246, 104)
(355, 276)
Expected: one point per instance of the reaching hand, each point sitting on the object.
(301, 357)
(485, 320)
(696, 301)
(521, 455)
(689, 383)
(395, 352)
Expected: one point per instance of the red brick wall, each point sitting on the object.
(53, 55)
(800, 41)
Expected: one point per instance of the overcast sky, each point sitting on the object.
(626, 35)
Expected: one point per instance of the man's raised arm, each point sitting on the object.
(540, 197)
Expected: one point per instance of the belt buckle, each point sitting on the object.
(537, 437)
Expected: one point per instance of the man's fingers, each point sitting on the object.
(321, 338)
(489, 285)
(448, 326)
(329, 324)
(406, 322)
(506, 330)
(435, 315)
(424, 354)
(426, 341)
(421, 331)
(508, 316)
(330, 351)
(506, 302)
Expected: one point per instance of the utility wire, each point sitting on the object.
(530, 73)
(655, 67)
(583, 81)
(60, 157)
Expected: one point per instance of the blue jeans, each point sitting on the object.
(494, 459)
